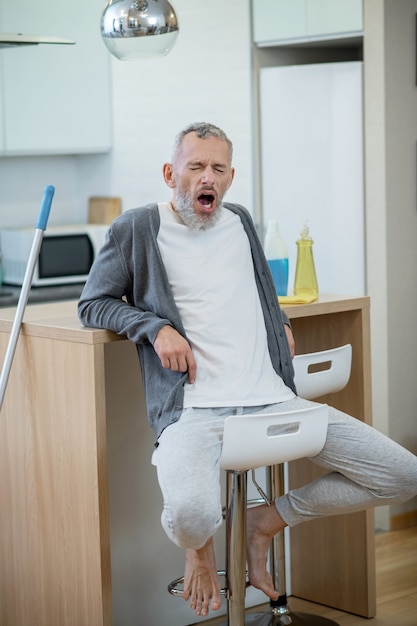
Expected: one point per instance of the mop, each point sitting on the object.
(27, 282)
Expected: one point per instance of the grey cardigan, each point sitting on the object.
(128, 292)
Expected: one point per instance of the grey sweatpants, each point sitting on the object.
(367, 469)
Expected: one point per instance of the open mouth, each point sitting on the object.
(206, 200)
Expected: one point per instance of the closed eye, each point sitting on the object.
(220, 168)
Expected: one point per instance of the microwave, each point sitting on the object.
(65, 257)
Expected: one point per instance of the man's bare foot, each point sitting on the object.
(263, 522)
(201, 583)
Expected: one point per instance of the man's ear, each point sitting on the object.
(232, 175)
(168, 172)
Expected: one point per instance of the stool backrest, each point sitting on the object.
(258, 439)
(334, 375)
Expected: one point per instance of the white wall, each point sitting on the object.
(401, 135)
(391, 217)
(205, 77)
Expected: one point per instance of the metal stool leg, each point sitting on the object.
(236, 547)
(280, 613)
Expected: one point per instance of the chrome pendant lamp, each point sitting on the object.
(139, 29)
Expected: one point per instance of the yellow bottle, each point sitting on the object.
(305, 283)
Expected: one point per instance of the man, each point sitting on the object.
(187, 281)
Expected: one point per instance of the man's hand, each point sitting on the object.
(290, 339)
(175, 353)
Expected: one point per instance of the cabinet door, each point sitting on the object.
(1, 104)
(56, 98)
(329, 17)
(278, 19)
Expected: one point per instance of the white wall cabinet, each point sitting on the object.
(278, 20)
(328, 17)
(54, 99)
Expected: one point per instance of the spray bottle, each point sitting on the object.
(305, 283)
(276, 253)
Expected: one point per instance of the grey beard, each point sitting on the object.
(194, 221)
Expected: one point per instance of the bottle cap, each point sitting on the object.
(305, 231)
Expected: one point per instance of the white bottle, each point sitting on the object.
(276, 253)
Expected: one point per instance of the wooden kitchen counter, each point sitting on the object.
(333, 559)
(62, 451)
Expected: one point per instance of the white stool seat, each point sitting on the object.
(259, 439)
(334, 375)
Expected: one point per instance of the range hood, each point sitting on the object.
(9, 41)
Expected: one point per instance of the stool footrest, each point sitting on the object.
(287, 619)
(174, 589)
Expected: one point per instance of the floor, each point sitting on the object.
(396, 579)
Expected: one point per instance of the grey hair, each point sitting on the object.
(203, 130)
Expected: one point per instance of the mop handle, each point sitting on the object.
(45, 208)
(26, 285)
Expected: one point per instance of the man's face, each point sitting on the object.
(200, 176)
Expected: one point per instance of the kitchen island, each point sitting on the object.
(81, 541)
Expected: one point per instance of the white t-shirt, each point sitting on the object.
(219, 306)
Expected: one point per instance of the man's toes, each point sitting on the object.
(274, 595)
(216, 604)
(202, 607)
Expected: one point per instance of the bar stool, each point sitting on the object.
(316, 374)
(261, 440)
